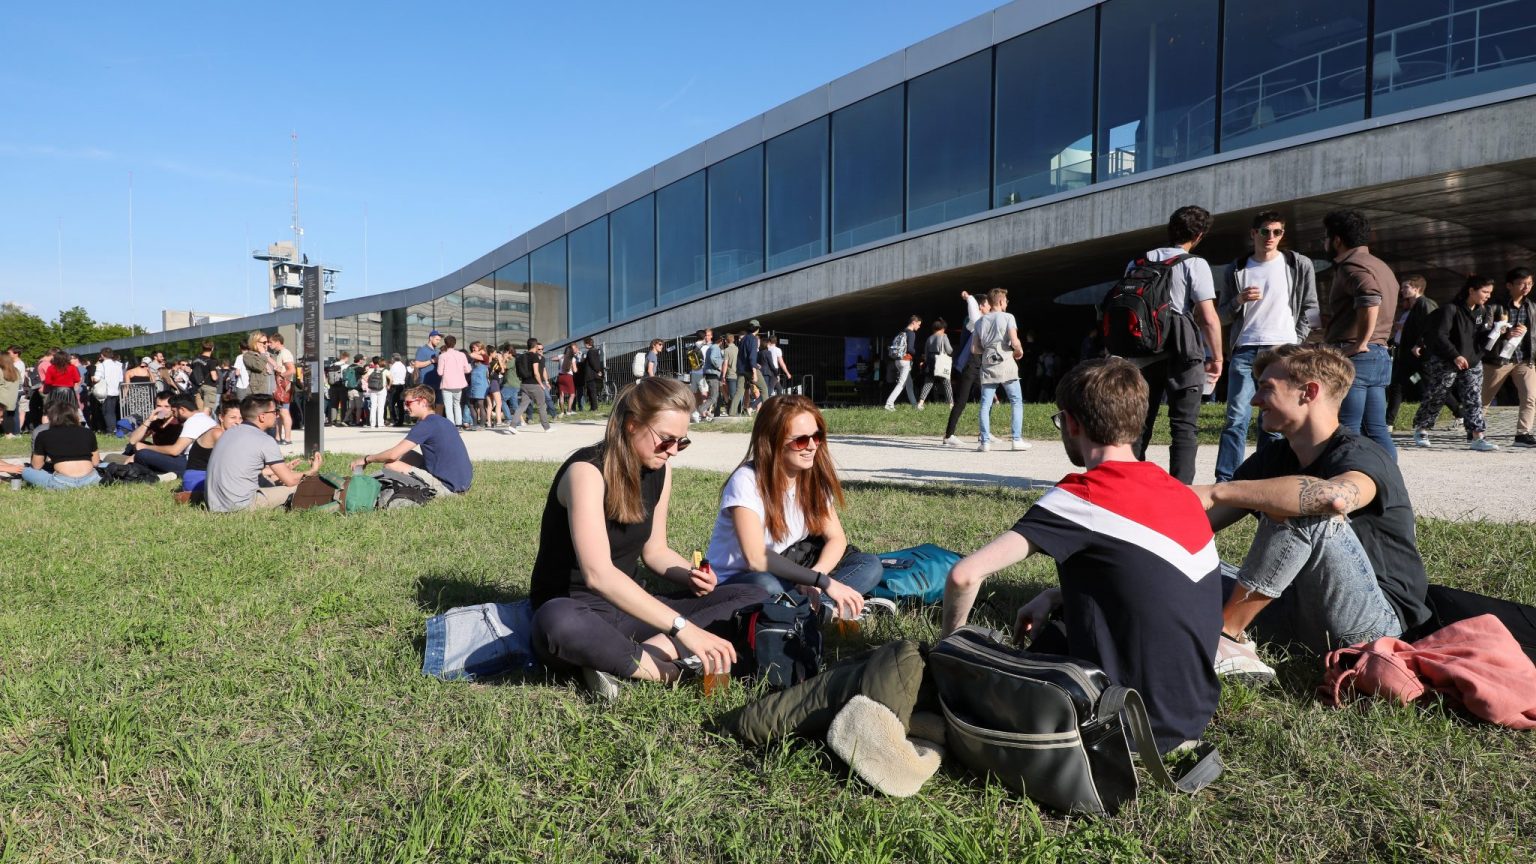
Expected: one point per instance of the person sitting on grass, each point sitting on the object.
(64, 455)
(443, 463)
(247, 457)
(161, 427)
(1140, 593)
(778, 526)
(1334, 560)
(172, 458)
(606, 513)
(196, 474)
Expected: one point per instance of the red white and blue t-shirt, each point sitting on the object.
(1141, 588)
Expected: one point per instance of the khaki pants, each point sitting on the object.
(1524, 375)
(271, 497)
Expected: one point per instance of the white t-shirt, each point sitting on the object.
(284, 356)
(775, 357)
(111, 373)
(242, 377)
(725, 555)
(1267, 320)
(397, 373)
(196, 425)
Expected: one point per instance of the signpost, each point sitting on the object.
(314, 379)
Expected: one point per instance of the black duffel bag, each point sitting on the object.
(1050, 727)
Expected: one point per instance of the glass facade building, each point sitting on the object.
(1107, 92)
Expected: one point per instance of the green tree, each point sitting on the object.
(75, 326)
(25, 330)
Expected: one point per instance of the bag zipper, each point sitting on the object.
(1033, 741)
(966, 644)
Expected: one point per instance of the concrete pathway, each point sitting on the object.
(1444, 481)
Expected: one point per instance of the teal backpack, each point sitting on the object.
(359, 494)
(917, 574)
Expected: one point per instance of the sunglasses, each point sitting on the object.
(1269, 232)
(667, 442)
(801, 442)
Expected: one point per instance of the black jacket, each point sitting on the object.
(1456, 331)
(1497, 312)
(1417, 325)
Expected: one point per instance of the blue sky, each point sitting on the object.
(428, 134)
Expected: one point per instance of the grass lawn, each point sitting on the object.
(181, 686)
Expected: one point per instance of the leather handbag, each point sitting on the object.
(1050, 727)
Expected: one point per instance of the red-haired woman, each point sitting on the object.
(778, 524)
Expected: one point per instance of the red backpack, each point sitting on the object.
(1135, 316)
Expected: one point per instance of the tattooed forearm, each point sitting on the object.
(1326, 497)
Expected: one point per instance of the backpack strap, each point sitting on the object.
(1127, 703)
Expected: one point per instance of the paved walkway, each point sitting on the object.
(1445, 481)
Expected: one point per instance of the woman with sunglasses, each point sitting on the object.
(778, 525)
(606, 513)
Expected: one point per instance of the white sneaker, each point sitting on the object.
(879, 605)
(984, 447)
(919, 406)
(1420, 438)
(600, 684)
(168, 477)
(1482, 445)
(1238, 660)
(889, 407)
(1021, 444)
(951, 441)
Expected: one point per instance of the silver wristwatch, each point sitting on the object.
(678, 624)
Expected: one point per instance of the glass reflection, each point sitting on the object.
(1430, 51)
(736, 217)
(1157, 84)
(1045, 111)
(589, 275)
(480, 310)
(867, 170)
(681, 255)
(514, 307)
(949, 123)
(799, 172)
(632, 257)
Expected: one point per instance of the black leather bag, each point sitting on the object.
(1050, 727)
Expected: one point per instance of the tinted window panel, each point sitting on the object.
(480, 311)
(799, 175)
(1157, 84)
(949, 124)
(632, 257)
(867, 170)
(589, 275)
(736, 218)
(680, 225)
(514, 307)
(547, 278)
(1045, 111)
(1429, 51)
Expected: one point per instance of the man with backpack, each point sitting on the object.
(1156, 316)
(714, 361)
(205, 379)
(1269, 296)
(352, 383)
(747, 360)
(1140, 593)
(375, 381)
(901, 351)
(703, 340)
(442, 465)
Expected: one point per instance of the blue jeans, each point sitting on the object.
(160, 463)
(1240, 390)
(50, 480)
(1326, 591)
(989, 395)
(860, 571)
(1364, 410)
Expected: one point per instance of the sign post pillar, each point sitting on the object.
(314, 379)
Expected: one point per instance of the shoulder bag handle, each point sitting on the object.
(1127, 703)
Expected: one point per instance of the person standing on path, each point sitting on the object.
(746, 360)
(903, 363)
(964, 362)
(109, 370)
(1407, 344)
(937, 356)
(1269, 296)
(998, 350)
(730, 375)
(453, 378)
(205, 377)
(425, 364)
(1358, 321)
(534, 389)
(1177, 374)
(1513, 356)
(1452, 361)
(284, 368)
(596, 372)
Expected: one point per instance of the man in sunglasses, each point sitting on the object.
(442, 465)
(1270, 298)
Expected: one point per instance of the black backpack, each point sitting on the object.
(783, 641)
(1136, 316)
(524, 366)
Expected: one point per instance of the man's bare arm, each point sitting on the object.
(1297, 495)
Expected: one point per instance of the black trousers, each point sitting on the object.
(1182, 381)
(593, 389)
(586, 631)
(964, 382)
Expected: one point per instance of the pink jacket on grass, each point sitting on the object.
(1474, 663)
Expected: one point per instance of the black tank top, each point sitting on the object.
(197, 457)
(556, 570)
